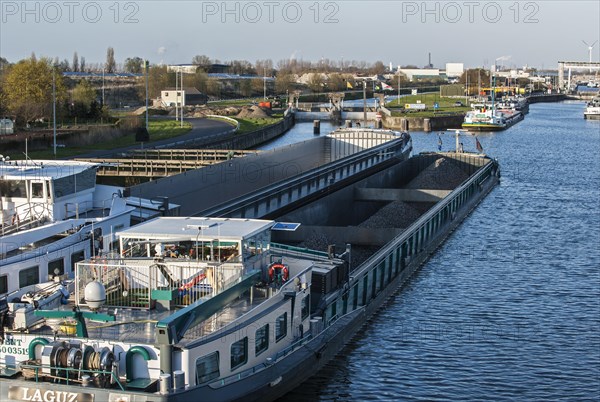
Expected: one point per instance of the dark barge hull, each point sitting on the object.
(287, 372)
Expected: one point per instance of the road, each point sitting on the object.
(201, 128)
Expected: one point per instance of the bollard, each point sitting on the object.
(348, 123)
(317, 127)
(404, 124)
(165, 384)
(426, 125)
(179, 380)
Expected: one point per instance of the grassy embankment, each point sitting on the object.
(446, 106)
(158, 129)
(248, 124)
(236, 102)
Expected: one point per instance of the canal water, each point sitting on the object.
(509, 307)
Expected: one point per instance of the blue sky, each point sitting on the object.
(537, 33)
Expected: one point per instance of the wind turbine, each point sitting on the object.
(590, 47)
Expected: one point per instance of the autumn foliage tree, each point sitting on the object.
(28, 89)
(84, 100)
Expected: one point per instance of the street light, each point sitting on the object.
(265, 83)
(365, 102)
(54, 108)
(146, 63)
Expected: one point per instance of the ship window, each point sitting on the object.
(13, 188)
(305, 311)
(261, 342)
(3, 284)
(207, 368)
(29, 276)
(75, 183)
(75, 258)
(37, 190)
(56, 267)
(281, 327)
(239, 353)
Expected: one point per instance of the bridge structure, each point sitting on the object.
(573, 65)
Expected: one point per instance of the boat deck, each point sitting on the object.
(138, 325)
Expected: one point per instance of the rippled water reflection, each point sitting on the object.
(509, 307)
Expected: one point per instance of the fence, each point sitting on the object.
(138, 283)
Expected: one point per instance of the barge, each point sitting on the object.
(592, 109)
(53, 214)
(213, 309)
(491, 118)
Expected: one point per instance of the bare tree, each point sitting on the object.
(82, 64)
(283, 82)
(264, 67)
(377, 68)
(111, 65)
(75, 64)
(242, 67)
(134, 65)
(201, 60)
(315, 82)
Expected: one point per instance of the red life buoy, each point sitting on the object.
(285, 273)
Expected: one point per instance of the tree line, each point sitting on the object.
(29, 88)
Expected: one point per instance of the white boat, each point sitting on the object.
(490, 118)
(212, 309)
(592, 110)
(519, 103)
(54, 215)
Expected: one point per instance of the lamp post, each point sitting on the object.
(146, 63)
(365, 103)
(182, 96)
(265, 83)
(54, 108)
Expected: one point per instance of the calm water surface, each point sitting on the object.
(509, 307)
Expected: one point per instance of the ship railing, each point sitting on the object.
(294, 251)
(23, 216)
(138, 283)
(33, 371)
(86, 208)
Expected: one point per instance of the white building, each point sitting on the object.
(183, 68)
(454, 70)
(412, 73)
(182, 97)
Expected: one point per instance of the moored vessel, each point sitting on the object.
(54, 215)
(491, 118)
(592, 110)
(215, 309)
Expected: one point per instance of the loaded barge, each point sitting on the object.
(491, 118)
(215, 309)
